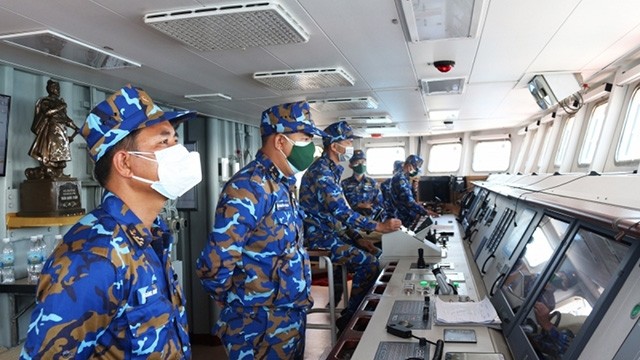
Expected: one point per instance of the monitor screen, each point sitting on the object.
(434, 189)
(591, 264)
(5, 102)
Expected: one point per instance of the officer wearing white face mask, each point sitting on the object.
(330, 223)
(110, 286)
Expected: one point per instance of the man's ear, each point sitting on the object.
(121, 164)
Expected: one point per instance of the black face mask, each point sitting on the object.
(413, 173)
(360, 169)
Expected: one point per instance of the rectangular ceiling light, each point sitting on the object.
(208, 97)
(232, 26)
(365, 120)
(440, 19)
(305, 79)
(442, 87)
(442, 115)
(359, 103)
(63, 47)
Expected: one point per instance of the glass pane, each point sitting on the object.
(564, 142)
(628, 149)
(587, 269)
(592, 136)
(491, 156)
(445, 158)
(543, 243)
(380, 160)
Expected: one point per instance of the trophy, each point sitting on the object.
(47, 190)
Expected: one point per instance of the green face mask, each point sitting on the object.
(360, 169)
(301, 155)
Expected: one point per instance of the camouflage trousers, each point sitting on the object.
(363, 265)
(262, 332)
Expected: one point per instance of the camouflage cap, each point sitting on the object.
(357, 155)
(414, 160)
(338, 131)
(397, 166)
(288, 118)
(126, 110)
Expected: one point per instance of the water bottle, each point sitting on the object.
(57, 240)
(7, 260)
(35, 260)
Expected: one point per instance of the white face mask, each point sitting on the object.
(178, 170)
(348, 153)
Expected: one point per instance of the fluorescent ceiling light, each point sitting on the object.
(208, 97)
(344, 103)
(442, 87)
(379, 119)
(376, 128)
(231, 26)
(443, 114)
(305, 79)
(440, 19)
(63, 47)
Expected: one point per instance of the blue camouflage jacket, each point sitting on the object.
(385, 189)
(109, 292)
(402, 197)
(364, 190)
(328, 216)
(255, 255)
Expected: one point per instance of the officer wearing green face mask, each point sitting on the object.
(361, 191)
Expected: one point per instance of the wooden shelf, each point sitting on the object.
(15, 222)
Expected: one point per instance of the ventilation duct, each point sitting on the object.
(359, 103)
(305, 79)
(232, 26)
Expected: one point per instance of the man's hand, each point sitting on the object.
(367, 246)
(432, 213)
(388, 226)
(541, 312)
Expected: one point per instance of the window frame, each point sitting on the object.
(475, 152)
(623, 131)
(431, 158)
(565, 137)
(592, 135)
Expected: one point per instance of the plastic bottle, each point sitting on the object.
(57, 240)
(7, 260)
(35, 260)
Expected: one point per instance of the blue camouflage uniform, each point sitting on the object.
(331, 224)
(255, 264)
(385, 189)
(109, 290)
(364, 190)
(404, 201)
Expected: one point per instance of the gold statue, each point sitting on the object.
(51, 146)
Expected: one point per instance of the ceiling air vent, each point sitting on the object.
(344, 104)
(366, 120)
(208, 97)
(305, 79)
(232, 26)
(442, 86)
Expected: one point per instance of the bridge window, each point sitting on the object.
(629, 146)
(491, 156)
(380, 159)
(444, 158)
(564, 142)
(592, 136)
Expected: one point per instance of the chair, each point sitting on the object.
(326, 256)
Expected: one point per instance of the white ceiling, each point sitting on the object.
(515, 40)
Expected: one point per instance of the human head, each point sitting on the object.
(397, 166)
(286, 131)
(412, 164)
(358, 162)
(119, 118)
(339, 140)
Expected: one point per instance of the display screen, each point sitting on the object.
(5, 102)
(588, 268)
(540, 248)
